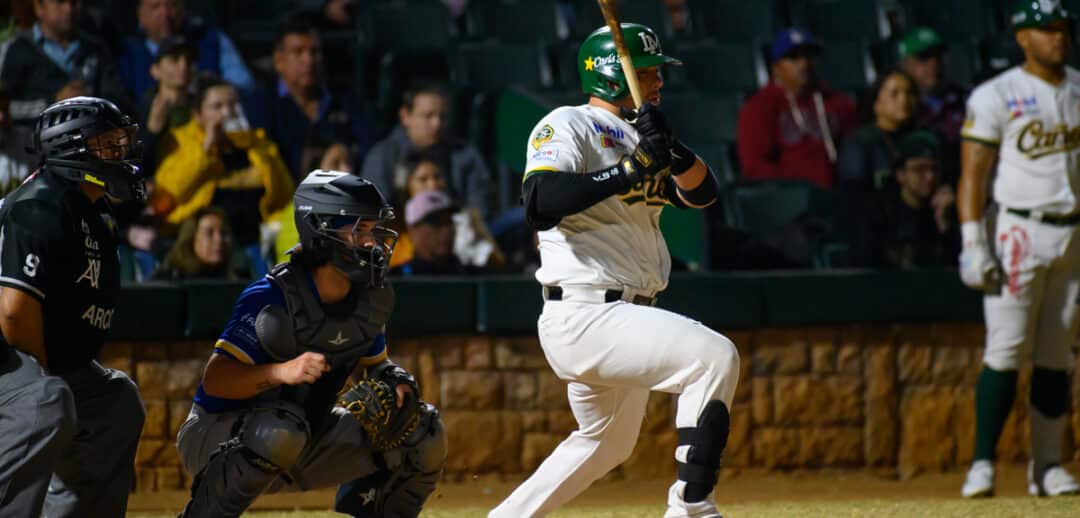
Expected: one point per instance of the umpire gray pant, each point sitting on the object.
(96, 471)
(37, 420)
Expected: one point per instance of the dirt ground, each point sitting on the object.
(747, 493)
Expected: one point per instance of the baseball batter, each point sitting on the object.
(1027, 120)
(594, 188)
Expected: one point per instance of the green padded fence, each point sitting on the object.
(511, 304)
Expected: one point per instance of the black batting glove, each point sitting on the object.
(644, 163)
(652, 124)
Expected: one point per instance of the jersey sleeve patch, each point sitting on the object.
(554, 145)
(239, 339)
(986, 116)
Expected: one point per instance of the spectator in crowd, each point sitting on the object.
(473, 242)
(793, 126)
(422, 116)
(162, 19)
(16, 161)
(868, 153)
(54, 61)
(215, 159)
(300, 105)
(167, 104)
(915, 225)
(319, 153)
(429, 217)
(941, 105)
(204, 250)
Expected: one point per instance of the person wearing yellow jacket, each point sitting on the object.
(216, 159)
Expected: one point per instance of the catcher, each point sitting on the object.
(299, 393)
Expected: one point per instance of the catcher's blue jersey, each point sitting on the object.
(240, 342)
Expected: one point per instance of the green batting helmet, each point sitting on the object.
(598, 62)
(1032, 14)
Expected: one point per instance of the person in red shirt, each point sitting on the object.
(791, 128)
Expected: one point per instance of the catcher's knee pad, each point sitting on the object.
(269, 441)
(276, 435)
(704, 444)
(1050, 391)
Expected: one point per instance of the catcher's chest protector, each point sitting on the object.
(305, 325)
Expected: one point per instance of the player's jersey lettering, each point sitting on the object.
(92, 272)
(653, 193)
(100, 318)
(1035, 141)
(31, 266)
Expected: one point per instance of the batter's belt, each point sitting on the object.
(596, 295)
(1050, 219)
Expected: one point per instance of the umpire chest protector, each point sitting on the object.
(304, 325)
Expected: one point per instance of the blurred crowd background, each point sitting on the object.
(832, 125)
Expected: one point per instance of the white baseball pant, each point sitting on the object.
(613, 354)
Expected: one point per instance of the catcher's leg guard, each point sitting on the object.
(407, 476)
(269, 442)
(700, 449)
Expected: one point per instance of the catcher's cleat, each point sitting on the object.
(679, 508)
(1054, 480)
(979, 482)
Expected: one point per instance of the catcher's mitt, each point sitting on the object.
(373, 402)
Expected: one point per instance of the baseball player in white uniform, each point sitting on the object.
(594, 188)
(1027, 120)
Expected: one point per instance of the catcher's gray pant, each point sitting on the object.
(337, 455)
(96, 470)
(37, 419)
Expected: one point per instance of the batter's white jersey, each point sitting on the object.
(615, 243)
(1036, 127)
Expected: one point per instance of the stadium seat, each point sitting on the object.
(846, 65)
(996, 54)
(736, 20)
(244, 17)
(407, 25)
(699, 119)
(489, 66)
(962, 62)
(516, 21)
(723, 67)
(847, 19)
(587, 16)
(771, 209)
(957, 20)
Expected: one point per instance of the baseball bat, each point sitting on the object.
(611, 16)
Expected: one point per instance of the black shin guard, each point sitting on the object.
(1050, 391)
(706, 441)
(229, 483)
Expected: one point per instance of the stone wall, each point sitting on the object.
(898, 399)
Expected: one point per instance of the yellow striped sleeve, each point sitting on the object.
(980, 140)
(379, 358)
(541, 169)
(234, 351)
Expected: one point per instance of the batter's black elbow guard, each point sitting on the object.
(704, 194)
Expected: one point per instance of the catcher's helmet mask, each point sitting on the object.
(329, 204)
(63, 135)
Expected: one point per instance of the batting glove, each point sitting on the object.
(978, 267)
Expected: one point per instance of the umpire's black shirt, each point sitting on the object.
(59, 248)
